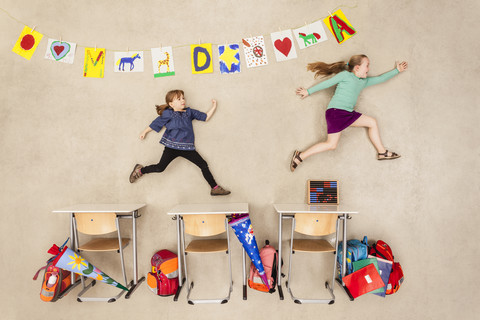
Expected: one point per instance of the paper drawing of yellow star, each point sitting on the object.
(228, 56)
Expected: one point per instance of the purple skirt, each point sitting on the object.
(338, 119)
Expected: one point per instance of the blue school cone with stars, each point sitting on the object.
(242, 226)
(69, 260)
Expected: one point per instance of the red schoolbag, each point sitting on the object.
(396, 279)
(269, 257)
(382, 249)
(163, 280)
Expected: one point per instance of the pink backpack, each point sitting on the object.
(269, 257)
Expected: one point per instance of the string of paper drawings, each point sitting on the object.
(201, 54)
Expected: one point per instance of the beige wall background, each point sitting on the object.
(66, 139)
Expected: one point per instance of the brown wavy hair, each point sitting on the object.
(172, 94)
(326, 69)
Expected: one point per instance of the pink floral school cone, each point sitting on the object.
(72, 261)
(242, 226)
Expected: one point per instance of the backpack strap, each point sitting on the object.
(54, 250)
(36, 274)
(365, 241)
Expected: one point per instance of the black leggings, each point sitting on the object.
(170, 154)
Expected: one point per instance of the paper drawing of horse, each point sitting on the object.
(121, 63)
(306, 38)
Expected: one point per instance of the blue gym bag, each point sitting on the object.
(356, 250)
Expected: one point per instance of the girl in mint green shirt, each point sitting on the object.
(350, 79)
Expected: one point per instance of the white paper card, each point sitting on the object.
(369, 280)
(310, 35)
(131, 61)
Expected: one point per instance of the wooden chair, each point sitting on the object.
(206, 226)
(314, 225)
(97, 224)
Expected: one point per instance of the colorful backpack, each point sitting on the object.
(56, 282)
(382, 249)
(163, 280)
(269, 257)
(356, 250)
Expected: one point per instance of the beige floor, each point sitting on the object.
(66, 139)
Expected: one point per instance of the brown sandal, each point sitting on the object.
(293, 164)
(136, 173)
(385, 156)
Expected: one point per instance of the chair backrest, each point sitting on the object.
(315, 224)
(204, 225)
(96, 223)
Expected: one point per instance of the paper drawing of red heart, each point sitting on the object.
(283, 46)
(59, 49)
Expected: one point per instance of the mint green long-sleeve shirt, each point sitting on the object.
(349, 87)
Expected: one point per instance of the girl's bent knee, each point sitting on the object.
(332, 146)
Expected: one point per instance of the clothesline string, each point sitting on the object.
(178, 46)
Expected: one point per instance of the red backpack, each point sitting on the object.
(396, 279)
(163, 280)
(269, 257)
(382, 249)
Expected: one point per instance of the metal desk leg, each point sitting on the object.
(72, 245)
(73, 275)
(244, 275)
(279, 271)
(344, 267)
(181, 279)
(344, 217)
(344, 260)
(136, 281)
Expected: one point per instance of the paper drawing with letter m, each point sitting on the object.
(94, 64)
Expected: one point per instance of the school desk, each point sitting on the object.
(287, 211)
(127, 211)
(211, 208)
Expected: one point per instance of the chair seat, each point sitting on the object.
(212, 245)
(104, 244)
(312, 245)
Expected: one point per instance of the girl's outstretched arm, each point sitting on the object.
(399, 67)
(144, 133)
(302, 92)
(212, 110)
(402, 66)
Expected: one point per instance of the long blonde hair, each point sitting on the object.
(172, 94)
(326, 69)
